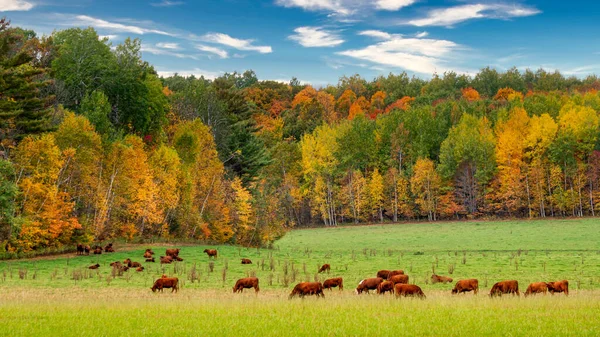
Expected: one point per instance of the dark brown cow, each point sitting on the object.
(211, 253)
(383, 274)
(334, 282)
(166, 259)
(166, 282)
(115, 264)
(98, 250)
(247, 282)
(368, 284)
(536, 288)
(147, 255)
(79, 249)
(463, 286)
(246, 261)
(140, 268)
(307, 288)
(150, 260)
(326, 267)
(558, 287)
(86, 250)
(109, 248)
(131, 264)
(505, 287)
(178, 258)
(394, 273)
(172, 252)
(440, 279)
(407, 290)
(385, 286)
(94, 266)
(399, 279)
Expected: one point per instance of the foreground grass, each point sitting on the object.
(53, 312)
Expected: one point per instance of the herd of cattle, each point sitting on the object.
(386, 281)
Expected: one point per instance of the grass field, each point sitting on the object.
(47, 296)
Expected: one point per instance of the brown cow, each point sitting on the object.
(109, 248)
(86, 250)
(505, 287)
(326, 267)
(131, 264)
(463, 286)
(385, 286)
(394, 273)
(166, 282)
(172, 252)
(440, 279)
(334, 282)
(166, 259)
(368, 284)
(150, 260)
(247, 282)
(211, 253)
(94, 266)
(246, 261)
(307, 288)
(147, 255)
(558, 287)
(406, 290)
(536, 288)
(140, 268)
(79, 249)
(115, 264)
(399, 279)
(178, 258)
(383, 274)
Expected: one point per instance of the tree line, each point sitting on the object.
(94, 145)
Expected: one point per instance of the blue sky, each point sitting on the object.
(318, 41)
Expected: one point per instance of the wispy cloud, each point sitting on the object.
(84, 20)
(239, 44)
(213, 50)
(168, 45)
(453, 15)
(15, 5)
(196, 72)
(316, 37)
(583, 70)
(342, 9)
(392, 5)
(421, 34)
(160, 51)
(420, 55)
(167, 3)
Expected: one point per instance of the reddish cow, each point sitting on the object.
(505, 287)
(246, 261)
(98, 250)
(178, 258)
(440, 279)
(385, 286)
(109, 248)
(406, 290)
(94, 266)
(166, 259)
(334, 282)
(172, 252)
(399, 279)
(211, 253)
(307, 288)
(558, 287)
(394, 273)
(147, 255)
(140, 268)
(463, 286)
(166, 282)
(326, 267)
(383, 274)
(247, 282)
(368, 284)
(536, 288)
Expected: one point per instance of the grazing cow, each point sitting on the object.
(172, 252)
(399, 279)
(166, 282)
(368, 284)
(505, 287)
(140, 268)
(326, 267)
(307, 288)
(385, 286)
(94, 266)
(86, 250)
(109, 248)
(247, 282)
(440, 279)
(406, 290)
(558, 287)
(394, 273)
(150, 260)
(79, 249)
(246, 261)
(166, 259)
(536, 288)
(334, 282)
(463, 286)
(383, 274)
(98, 250)
(211, 253)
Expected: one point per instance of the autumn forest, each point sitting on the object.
(95, 146)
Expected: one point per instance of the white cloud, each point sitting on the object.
(376, 33)
(316, 37)
(393, 5)
(207, 74)
(110, 37)
(84, 20)
(213, 50)
(421, 34)
(159, 51)
(239, 44)
(15, 5)
(453, 15)
(582, 71)
(419, 55)
(168, 45)
(335, 6)
(167, 3)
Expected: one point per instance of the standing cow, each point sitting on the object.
(464, 286)
(558, 287)
(409, 290)
(248, 282)
(307, 288)
(368, 284)
(326, 267)
(211, 253)
(505, 287)
(334, 282)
